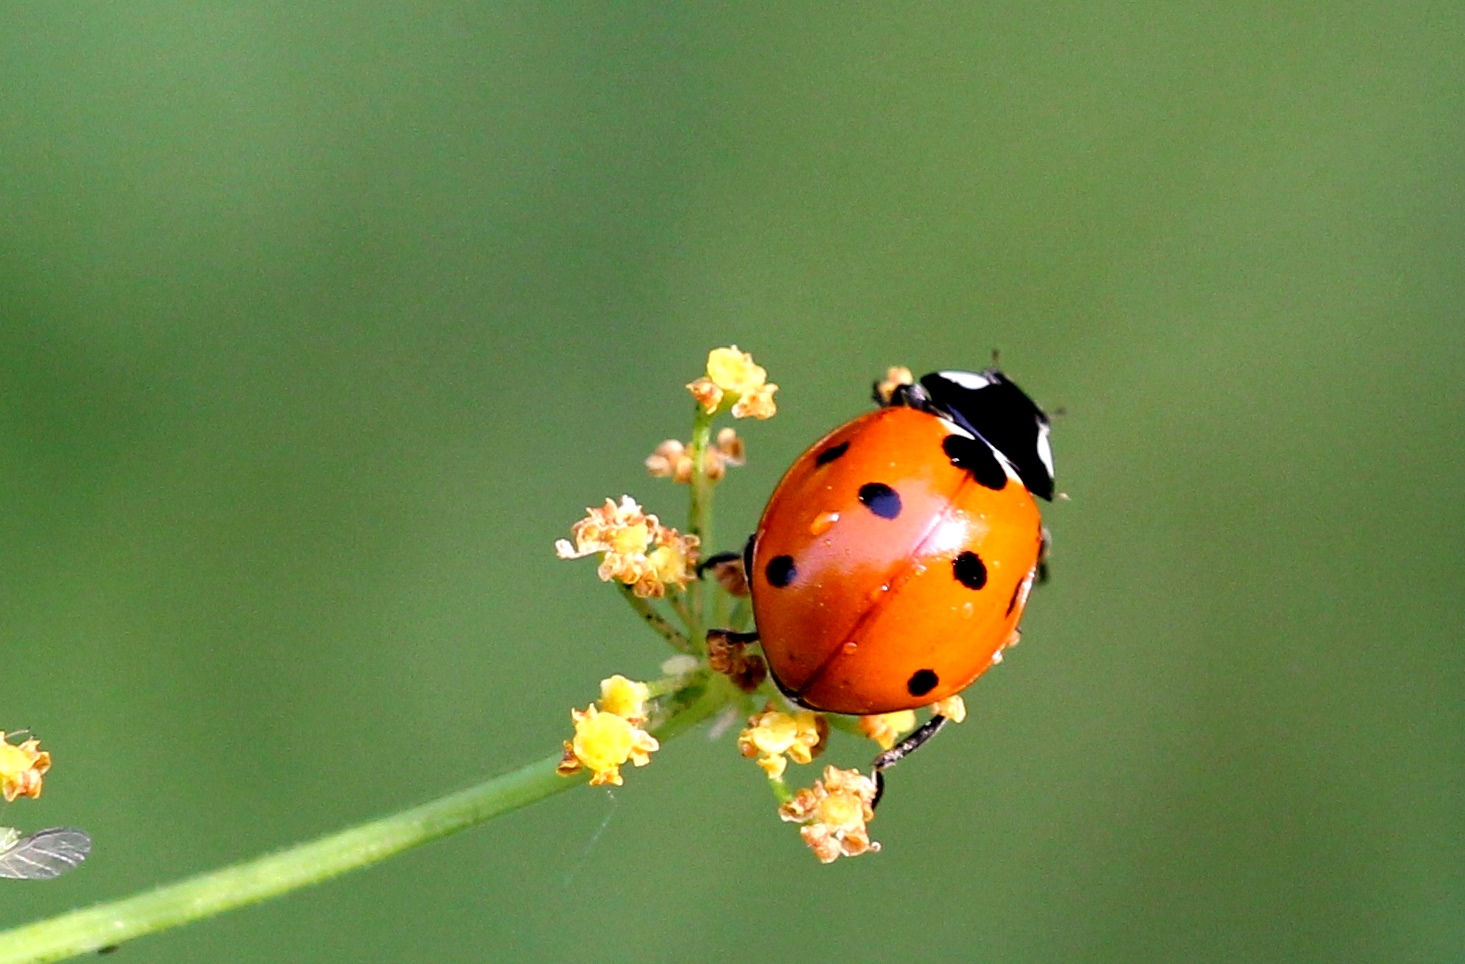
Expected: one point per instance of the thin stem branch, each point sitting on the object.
(699, 522)
(701, 509)
(208, 894)
(655, 619)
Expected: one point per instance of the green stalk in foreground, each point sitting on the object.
(196, 898)
(655, 570)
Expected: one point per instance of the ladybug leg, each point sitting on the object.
(716, 560)
(1045, 543)
(900, 751)
(726, 637)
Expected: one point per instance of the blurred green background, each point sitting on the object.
(319, 323)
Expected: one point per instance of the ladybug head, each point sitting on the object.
(990, 406)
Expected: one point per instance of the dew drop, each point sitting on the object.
(822, 523)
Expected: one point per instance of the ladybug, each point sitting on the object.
(894, 559)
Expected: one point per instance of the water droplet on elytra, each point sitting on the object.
(822, 523)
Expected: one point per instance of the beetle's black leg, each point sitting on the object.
(717, 559)
(730, 638)
(900, 751)
(1045, 542)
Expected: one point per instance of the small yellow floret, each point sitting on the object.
(953, 708)
(756, 404)
(636, 548)
(603, 743)
(834, 813)
(625, 698)
(734, 371)
(895, 377)
(21, 768)
(776, 737)
(732, 374)
(886, 728)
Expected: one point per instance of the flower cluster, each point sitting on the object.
(833, 814)
(608, 733)
(775, 737)
(638, 550)
(673, 459)
(734, 383)
(886, 728)
(22, 765)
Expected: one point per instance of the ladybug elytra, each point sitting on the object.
(894, 559)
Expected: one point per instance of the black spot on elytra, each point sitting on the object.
(748, 556)
(976, 457)
(922, 681)
(780, 571)
(831, 453)
(880, 499)
(969, 570)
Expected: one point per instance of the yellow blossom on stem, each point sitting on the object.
(834, 813)
(636, 548)
(776, 737)
(21, 767)
(625, 698)
(953, 708)
(886, 728)
(603, 743)
(732, 374)
(895, 377)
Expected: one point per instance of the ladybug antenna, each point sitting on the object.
(900, 751)
(996, 357)
(909, 396)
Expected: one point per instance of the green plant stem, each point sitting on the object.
(699, 522)
(741, 611)
(655, 619)
(274, 875)
(701, 508)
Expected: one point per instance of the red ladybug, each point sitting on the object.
(894, 559)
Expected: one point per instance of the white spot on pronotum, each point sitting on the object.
(1045, 449)
(971, 380)
(954, 429)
